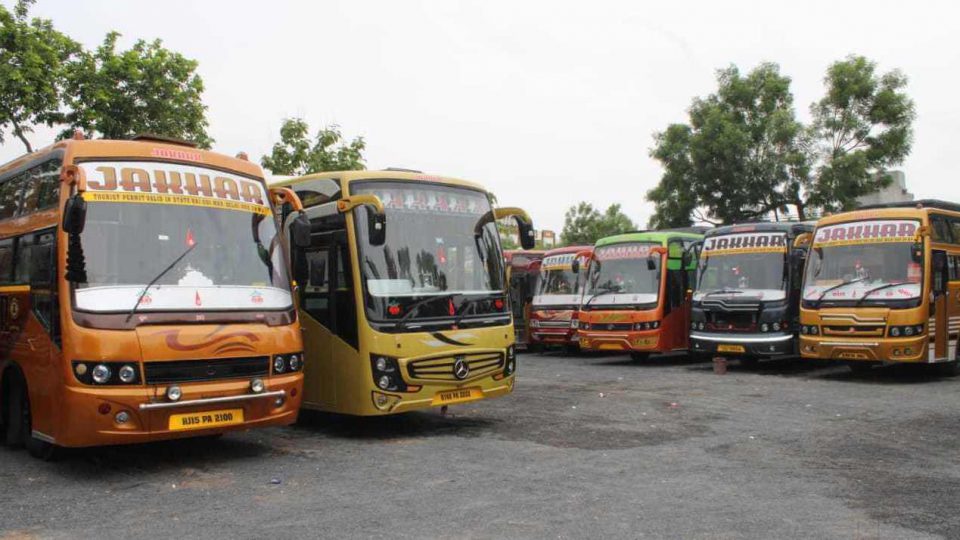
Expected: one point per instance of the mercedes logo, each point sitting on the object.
(460, 368)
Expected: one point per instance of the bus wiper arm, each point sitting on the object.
(837, 286)
(879, 288)
(724, 291)
(415, 307)
(598, 294)
(156, 279)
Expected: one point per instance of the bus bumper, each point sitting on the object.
(547, 336)
(756, 345)
(644, 341)
(869, 350)
(90, 414)
(432, 396)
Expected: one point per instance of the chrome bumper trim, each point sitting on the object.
(848, 344)
(753, 338)
(209, 401)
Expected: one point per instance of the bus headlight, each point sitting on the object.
(386, 373)
(101, 374)
(574, 324)
(127, 374)
(279, 364)
(295, 362)
(764, 327)
(907, 331)
(776, 327)
(511, 362)
(534, 323)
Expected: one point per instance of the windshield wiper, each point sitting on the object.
(879, 288)
(835, 287)
(724, 291)
(465, 303)
(598, 294)
(156, 279)
(415, 307)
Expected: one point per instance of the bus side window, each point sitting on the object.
(43, 280)
(10, 196)
(6, 261)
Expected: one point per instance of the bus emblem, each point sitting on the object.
(460, 368)
(14, 309)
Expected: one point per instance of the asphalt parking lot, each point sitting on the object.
(587, 446)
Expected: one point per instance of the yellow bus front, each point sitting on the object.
(408, 311)
(875, 291)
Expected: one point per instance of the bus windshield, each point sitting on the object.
(232, 259)
(750, 264)
(432, 248)
(558, 284)
(864, 261)
(620, 274)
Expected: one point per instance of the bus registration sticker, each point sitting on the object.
(203, 420)
(731, 348)
(457, 396)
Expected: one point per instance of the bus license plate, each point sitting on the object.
(731, 348)
(203, 420)
(853, 356)
(457, 396)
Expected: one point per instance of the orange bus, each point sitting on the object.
(557, 301)
(143, 296)
(637, 298)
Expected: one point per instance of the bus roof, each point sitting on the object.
(923, 203)
(346, 177)
(795, 227)
(652, 236)
(567, 249)
(148, 149)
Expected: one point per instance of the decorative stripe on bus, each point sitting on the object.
(15, 289)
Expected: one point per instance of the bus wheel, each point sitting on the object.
(15, 395)
(639, 356)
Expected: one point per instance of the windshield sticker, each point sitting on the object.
(170, 183)
(558, 262)
(431, 201)
(623, 251)
(866, 232)
(857, 291)
(735, 244)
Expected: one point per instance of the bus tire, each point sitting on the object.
(638, 356)
(14, 398)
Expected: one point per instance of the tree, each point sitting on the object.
(584, 224)
(743, 155)
(739, 158)
(297, 155)
(146, 89)
(32, 59)
(861, 128)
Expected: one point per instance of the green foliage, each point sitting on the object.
(33, 55)
(743, 154)
(740, 156)
(297, 155)
(584, 224)
(861, 128)
(146, 89)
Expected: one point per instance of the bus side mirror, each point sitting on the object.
(376, 227)
(916, 252)
(651, 263)
(74, 214)
(575, 266)
(300, 231)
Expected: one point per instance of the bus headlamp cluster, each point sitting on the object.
(386, 373)
(574, 324)
(511, 364)
(810, 330)
(534, 323)
(906, 331)
(773, 327)
(584, 325)
(287, 363)
(106, 373)
(698, 325)
(652, 325)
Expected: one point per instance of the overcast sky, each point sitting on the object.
(545, 103)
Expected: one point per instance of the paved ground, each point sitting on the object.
(586, 447)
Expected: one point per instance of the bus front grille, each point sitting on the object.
(179, 371)
(442, 369)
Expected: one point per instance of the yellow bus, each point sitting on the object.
(143, 296)
(402, 292)
(882, 284)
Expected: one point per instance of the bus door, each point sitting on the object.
(330, 322)
(675, 305)
(940, 306)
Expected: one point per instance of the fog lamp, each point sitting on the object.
(256, 386)
(174, 393)
(122, 417)
(279, 401)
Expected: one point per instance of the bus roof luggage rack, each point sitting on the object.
(148, 137)
(923, 203)
(401, 169)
